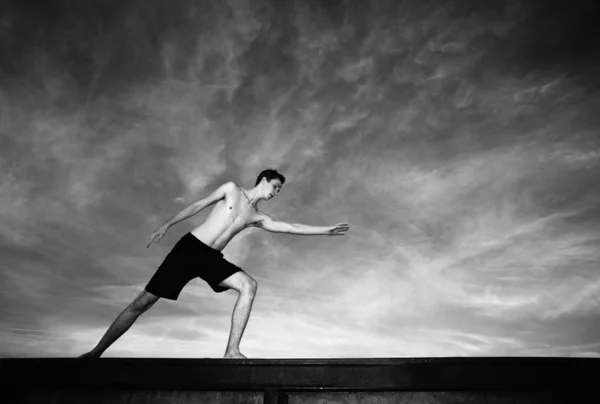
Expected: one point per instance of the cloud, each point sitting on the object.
(465, 167)
(576, 298)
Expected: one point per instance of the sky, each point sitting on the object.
(458, 139)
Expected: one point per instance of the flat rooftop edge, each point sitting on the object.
(360, 374)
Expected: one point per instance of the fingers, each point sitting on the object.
(152, 239)
(340, 231)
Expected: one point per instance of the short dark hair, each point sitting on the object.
(270, 174)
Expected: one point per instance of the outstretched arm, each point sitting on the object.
(267, 223)
(339, 229)
(191, 210)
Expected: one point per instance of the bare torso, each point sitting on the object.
(228, 217)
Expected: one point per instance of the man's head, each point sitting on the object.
(270, 181)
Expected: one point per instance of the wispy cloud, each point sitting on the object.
(466, 168)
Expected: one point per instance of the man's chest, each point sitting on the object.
(240, 212)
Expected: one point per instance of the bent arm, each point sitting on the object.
(195, 207)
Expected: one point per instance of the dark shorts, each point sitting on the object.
(190, 258)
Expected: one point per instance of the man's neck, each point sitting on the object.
(251, 196)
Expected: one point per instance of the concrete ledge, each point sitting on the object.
(280, 380)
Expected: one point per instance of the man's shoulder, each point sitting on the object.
(230, 186)
(261, 215)
(257, 218)
(226, 189)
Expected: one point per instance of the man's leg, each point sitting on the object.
(141, 304)
(246, 287)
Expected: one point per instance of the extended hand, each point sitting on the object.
(157, 235)
(339, 229)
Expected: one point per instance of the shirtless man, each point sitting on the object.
(198, 254)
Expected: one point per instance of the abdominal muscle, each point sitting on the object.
(227, 218)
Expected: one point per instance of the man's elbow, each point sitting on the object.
(288, 228)
(281, 227)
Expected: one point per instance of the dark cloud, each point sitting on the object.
(459, 138)
(555, 35)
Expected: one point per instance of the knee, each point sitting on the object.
(250, 287)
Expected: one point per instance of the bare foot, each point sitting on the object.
(234, 355)
(90, 355)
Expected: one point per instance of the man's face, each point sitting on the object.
(273, 188)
